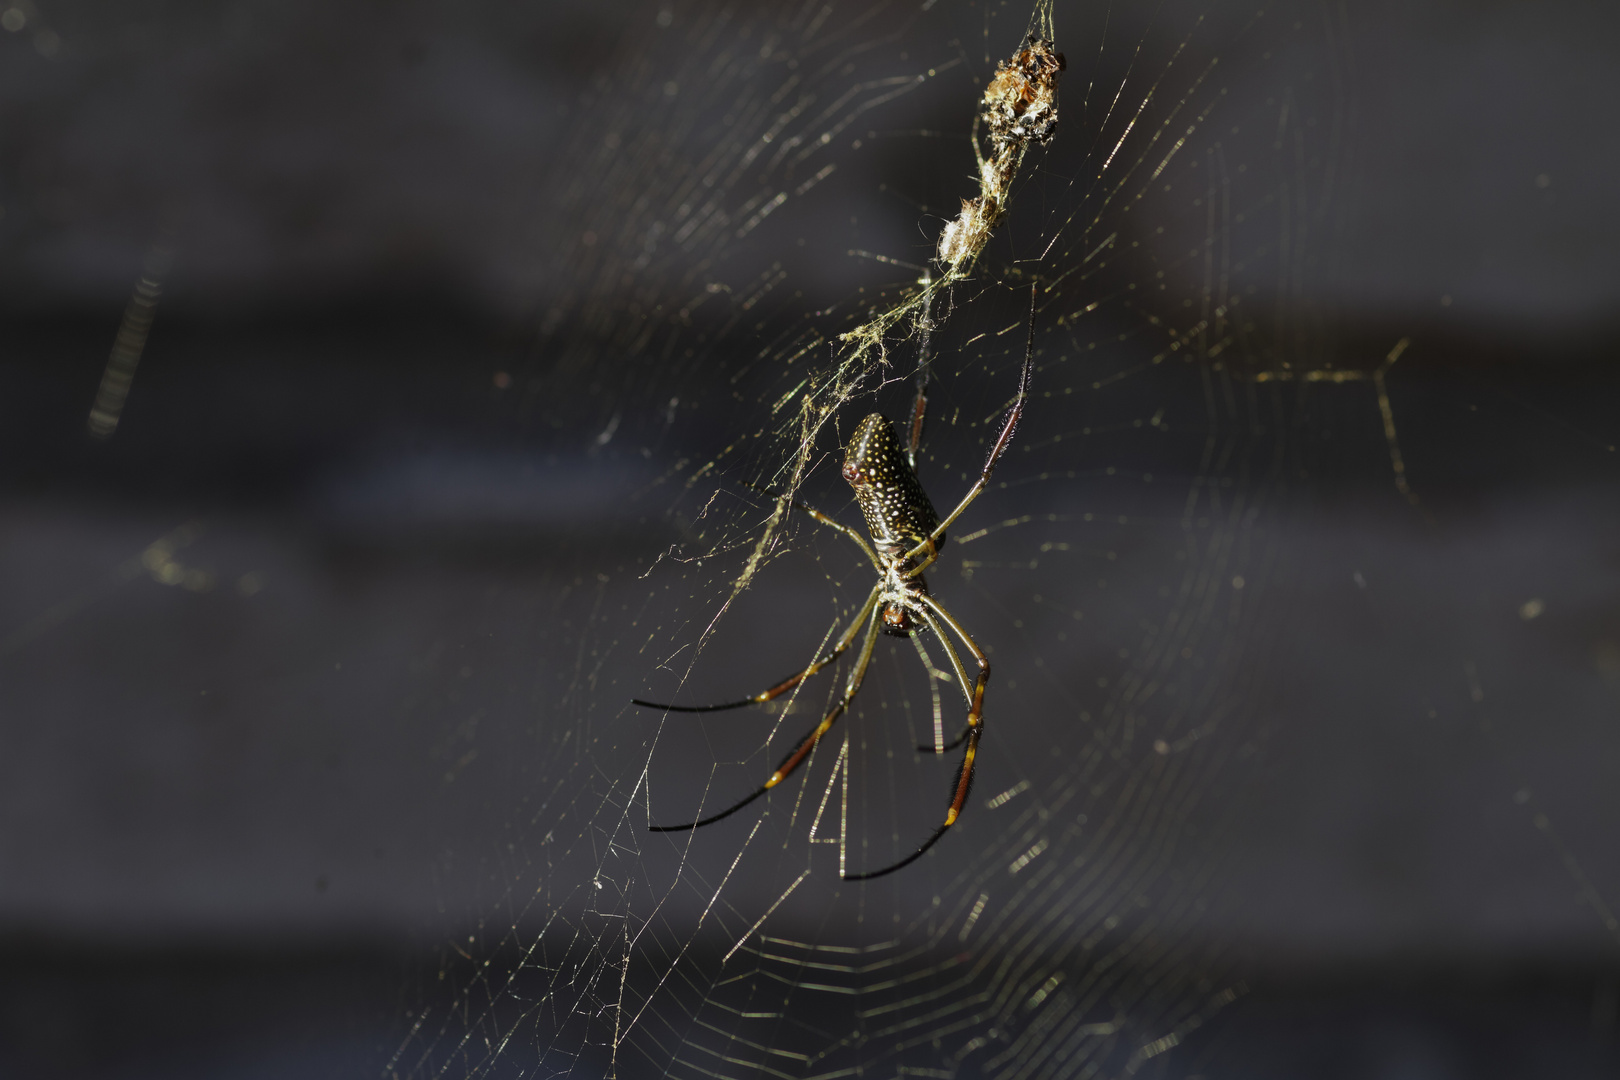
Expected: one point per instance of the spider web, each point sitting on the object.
(1257, 683)
(1173, 231)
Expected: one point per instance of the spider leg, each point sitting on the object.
(999, 448)
(961, 676)
(796, 758)
(975, 730)
(825, 520)
(919, 405)
(933, 691)
(791, 681)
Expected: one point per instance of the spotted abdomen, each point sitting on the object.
(898, 513)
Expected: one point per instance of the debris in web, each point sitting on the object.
(1019, 108)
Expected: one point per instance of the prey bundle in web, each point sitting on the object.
(1019, 108)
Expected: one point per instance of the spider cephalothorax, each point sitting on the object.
(906, 536)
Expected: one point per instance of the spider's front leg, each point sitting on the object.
(791, 681)
(808, 743)
(997, 449)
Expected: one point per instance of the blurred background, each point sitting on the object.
(379, 388)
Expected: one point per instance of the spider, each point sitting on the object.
(907, 535)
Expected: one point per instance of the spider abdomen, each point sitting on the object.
(898, 513)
